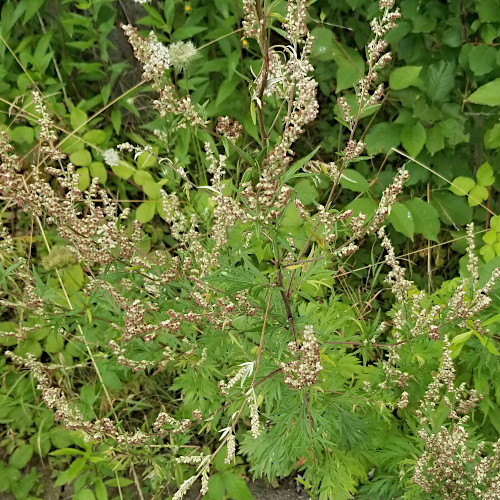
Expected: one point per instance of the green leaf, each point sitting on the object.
(492, 137)
(145, 160)
(458, 342)
(119, 481)
(435, 139)
(490, 237)
(413, 138)
(401, 219)
(73, 471)
(461, 186)
(116, 120)
(97, 169)
(488, 94)
(95, 137)
(402, 78)
(488, 10)
(425, 218)
(382, 137)
(141, 176)
(83, 178)
(306, 192)
(236, 487)
(216, 488)
(439, 80)
(324, 48)
(145, 212)
(482, 59)
(77, 118)
(354, 181)
(362, 205)
(484, 175)
(101, 492)
(495, 223)
(84, 495)
(81, 158)
(124, 170)
(451, 209)
(109, 376)
(152, 189)
(477, 195)
(21, 456)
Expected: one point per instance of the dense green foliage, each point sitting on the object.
(312, 357)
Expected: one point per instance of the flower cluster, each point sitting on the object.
(303, 371)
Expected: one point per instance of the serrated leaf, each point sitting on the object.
(425, 218)
(382, 137)
(354, 181)
(145, 212)
(81, 158)
(402, 78)
(402, 220)
(488, 94)
(461, 186)
(477, 195)
(452, 210)
(484, 175)
(413, 138)
(439, 80)
(236, 487)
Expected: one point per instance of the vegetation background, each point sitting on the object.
(356, 430)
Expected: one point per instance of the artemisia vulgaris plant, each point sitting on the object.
(240, 339)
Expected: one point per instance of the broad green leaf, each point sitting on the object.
(487, 252)
(484, 175)
(477, 195)
(435, 139)
(83, 178)
(354, 181)
(461, 186)
(81, 158)
(324, 48)
(488, 10)
(109, 376)
(348, 74)
(306, 192)
(482, 59)
(21, 456)
(216, 487)
(402, 78)
(425, 218)
(362, 205)
(77, 117)
(72, 472)
(382, 137)
(101, 492)
(495, 223)
(152, 189)
(116, 120)
(402, 220)
(492, 137)
(141, 176)
(145, 211)
(413, 138)
(145, 160)
(439, 80)
(84, 494)
(124, 170)
(488, 94)
(95, 136)
(97, 169)
(490, 237)
(236, 487)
